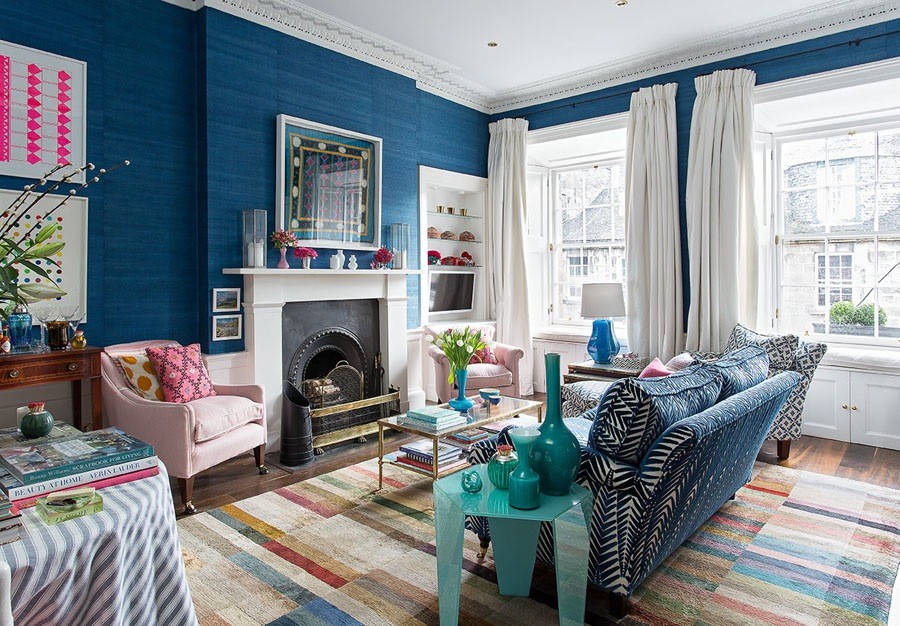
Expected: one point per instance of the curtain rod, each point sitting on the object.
(853, 42)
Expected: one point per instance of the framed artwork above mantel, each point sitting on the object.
(328, 185)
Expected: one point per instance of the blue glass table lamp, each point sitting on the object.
(603, 301)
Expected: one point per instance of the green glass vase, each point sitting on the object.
(524, 482)
(501, 466)
(37, 422)
(556, 454)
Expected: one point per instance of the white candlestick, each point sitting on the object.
(260, 255)
(21, 412)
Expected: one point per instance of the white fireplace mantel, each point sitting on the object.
(265, 293)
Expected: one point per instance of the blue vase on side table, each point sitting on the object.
(461, 403)
(603, 345)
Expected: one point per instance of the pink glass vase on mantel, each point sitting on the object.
(283, 262)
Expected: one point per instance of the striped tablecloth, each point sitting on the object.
(120, 567)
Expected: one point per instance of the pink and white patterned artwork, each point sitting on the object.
(42, 104)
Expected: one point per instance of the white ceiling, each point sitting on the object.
(549, 50)
(540, 39)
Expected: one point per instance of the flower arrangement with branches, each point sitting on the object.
(34, 245)
(305, 253)
(383, 256)
(284, 239)
(458, 345)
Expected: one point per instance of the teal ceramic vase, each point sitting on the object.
(501, 466)
(37, 422)
(524, 482)
(556, 454)
(461, 403)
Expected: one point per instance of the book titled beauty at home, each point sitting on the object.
(17, 492)
(53, 459)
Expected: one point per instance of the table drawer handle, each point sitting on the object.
(73, 367)
(13, 373)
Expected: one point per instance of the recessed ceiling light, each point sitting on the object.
(492, 44)
(621, 3)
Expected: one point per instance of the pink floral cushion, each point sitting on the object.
(485, 355)
(656, 369)
(182, 374)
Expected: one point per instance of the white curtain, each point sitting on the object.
(721, 217)
(654, 298)
(507, 286)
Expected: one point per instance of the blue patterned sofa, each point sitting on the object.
(660, 456)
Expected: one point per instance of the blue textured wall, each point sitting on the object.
(249, 74)
(191, 99)
(142, 241)
(855, 47)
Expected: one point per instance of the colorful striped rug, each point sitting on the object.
(794, 548)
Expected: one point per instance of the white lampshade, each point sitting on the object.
(602, 300)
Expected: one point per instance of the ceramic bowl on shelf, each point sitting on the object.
(451, 210)
(440, 208)
(490, 394)
(463, 211)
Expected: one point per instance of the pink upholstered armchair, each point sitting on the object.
(189, 437)
(504, 375)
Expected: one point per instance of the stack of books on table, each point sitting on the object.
(433, 418)
(32, 468)
(420, 454)
(10, 521)
(466, 438)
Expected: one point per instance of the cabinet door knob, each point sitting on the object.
(853, 408)
(844, 406)
(13, 373)
(73, 367)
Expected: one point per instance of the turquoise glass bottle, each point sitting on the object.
(37, 422)
(524, 482)
(556, 454)
(501, 466)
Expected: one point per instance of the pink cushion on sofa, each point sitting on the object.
(655, 369)
(485, 355)
(215, 416)
(182, 374)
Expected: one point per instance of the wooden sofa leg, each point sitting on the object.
(186, 487)
(485, 543)
(619, 606)
(260, 453)
(784, 449)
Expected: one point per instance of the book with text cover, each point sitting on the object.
(55, 459)
(16, 491)
(425, 448)
(434, 414)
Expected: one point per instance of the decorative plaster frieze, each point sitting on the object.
(442, 78)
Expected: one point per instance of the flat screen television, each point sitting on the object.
(451, 291)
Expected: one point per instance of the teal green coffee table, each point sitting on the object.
(514, 534)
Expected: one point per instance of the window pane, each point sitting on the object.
(889, 157)
(852, 209)
(800, 310)
(800, 163)
(855, 148)
(888, 263)
(597, 181)
(570, 204)
(802, 213)
(889, 207)
(598, 224)
(889, 318)
(803, 263)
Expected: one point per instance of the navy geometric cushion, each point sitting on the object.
(780, 348)
(740, 370)
(634, 412)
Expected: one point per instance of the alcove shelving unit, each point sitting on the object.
(464, 193)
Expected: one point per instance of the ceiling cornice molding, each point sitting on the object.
(441, 78)
(825, 19)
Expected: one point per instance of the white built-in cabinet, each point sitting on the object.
(465, 195)
(571, 351)
(855, 406)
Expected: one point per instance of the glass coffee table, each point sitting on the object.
(482, 414)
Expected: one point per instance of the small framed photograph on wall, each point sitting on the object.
(227, 327)
(226, 300)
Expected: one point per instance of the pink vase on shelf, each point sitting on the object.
(283, 262)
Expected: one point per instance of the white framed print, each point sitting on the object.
(227, 327)
(227, 300)
(43, 123)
